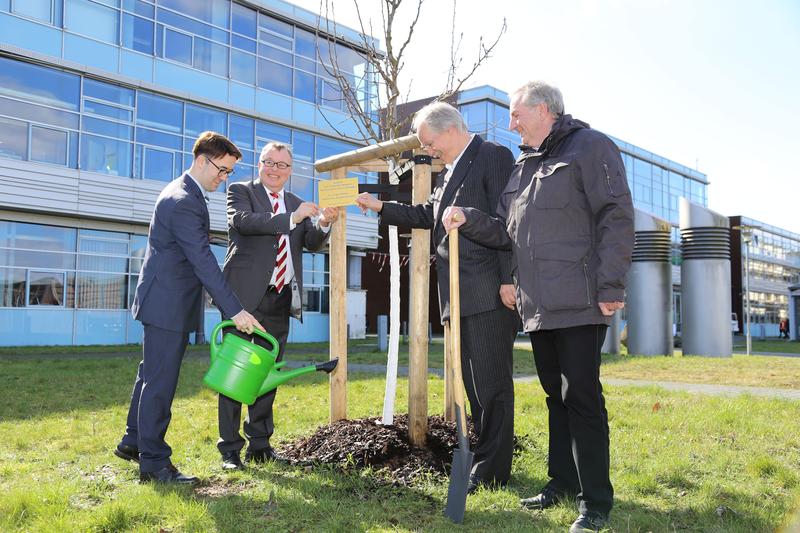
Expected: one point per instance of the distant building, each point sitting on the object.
(774, 266)
(100, 103)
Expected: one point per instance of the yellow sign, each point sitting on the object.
(336, 193)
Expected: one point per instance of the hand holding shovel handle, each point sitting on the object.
(462, 457)
(455, 336)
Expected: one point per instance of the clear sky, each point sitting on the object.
(711, 84)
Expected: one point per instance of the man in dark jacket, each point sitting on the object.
(268, 227)
(567, 215)
(477, 171)
(178, 263)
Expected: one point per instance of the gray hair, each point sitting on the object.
(439, 116)
(275, 145)
(536, 92)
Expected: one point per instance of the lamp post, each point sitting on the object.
(747, 238)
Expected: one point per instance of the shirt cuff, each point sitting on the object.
(291, 221)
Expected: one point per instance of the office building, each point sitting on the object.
(100, 103)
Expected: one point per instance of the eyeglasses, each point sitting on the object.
(220, 170)
(269, 163)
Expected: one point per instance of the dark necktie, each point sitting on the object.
(283, 250)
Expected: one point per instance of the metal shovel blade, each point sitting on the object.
(459, 476)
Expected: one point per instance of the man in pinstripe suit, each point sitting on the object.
(477, 172)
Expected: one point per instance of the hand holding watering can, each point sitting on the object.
(243, 370)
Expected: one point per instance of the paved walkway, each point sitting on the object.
(701, 388)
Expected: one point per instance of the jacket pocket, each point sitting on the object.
(564, 285)
(553, 185)
(616, 183)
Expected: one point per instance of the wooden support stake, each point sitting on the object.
(449, 405)
(418, 313)
(338, 309)
(375, 151)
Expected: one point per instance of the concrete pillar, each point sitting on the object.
(705, 281)
(649, 288)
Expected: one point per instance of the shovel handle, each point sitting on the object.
(455, 330)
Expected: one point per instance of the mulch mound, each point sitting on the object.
(367, 443)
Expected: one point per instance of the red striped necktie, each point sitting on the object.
(283, 250)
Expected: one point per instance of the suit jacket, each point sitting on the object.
(178, 263)
(253, 234)
(478, 179)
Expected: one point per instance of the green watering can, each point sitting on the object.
(243, 370)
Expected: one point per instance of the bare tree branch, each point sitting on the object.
(378, 121)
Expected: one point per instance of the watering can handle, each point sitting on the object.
(230, 323)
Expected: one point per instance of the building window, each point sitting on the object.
(243, 20)
(315, 283)
(243, 67)
(12, 287)
(13, 139)
(211, 11)
(137, 34)
(92, 19)
(178, 46)
(109, 156)
(49, 145)
(274, 77)
(158, 164)
(45, 288)
(41, 10)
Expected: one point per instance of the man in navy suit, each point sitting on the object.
(268, 227)
(178, 263)
(477, 171)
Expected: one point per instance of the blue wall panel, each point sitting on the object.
(89, 52)
(242, 95)
(100, 327)
(191, 81)
(274, 104)
(25, 34)
(135, 329)
(136, 65)
(26, 327)
(314, 328)
(303, 112)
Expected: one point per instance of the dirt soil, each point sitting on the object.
(367, 443)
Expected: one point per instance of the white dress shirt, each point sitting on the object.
(450, 168)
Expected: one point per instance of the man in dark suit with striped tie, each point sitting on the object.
(477, 171)
(268, 227)
(178, 263)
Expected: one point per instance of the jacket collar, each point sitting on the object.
(190, 184)
(459, 173)
(291, 200)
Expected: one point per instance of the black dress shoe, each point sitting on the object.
(586, 523)
(264, 455)
(129, 453)
(231, 461)
(168, 474)
(547, 498)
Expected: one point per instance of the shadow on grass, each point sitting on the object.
(730, 512)
(328, 499)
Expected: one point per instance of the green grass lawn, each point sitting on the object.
(770, 345)
(754, 371)
(679, 461)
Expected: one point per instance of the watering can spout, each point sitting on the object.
(277, 377)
